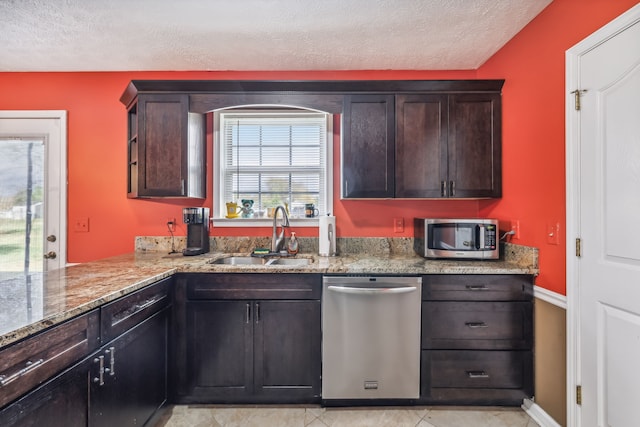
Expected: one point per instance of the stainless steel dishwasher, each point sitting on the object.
(371, 337)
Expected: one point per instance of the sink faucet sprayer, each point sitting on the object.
(277, 242)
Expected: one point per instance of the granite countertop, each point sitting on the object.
(55, 296)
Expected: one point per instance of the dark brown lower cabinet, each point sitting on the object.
(128, 377)
(123, 390)
(60, 402)
(122, 383)
(233, 348)
(477, 377)
(477, 339)
(254, 351)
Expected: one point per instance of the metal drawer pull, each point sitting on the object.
(134, 309)
(257, 313)
(474, 325)
(6, 380)
(100, 378)
(477, 374)
(145, 304)
(477, 287)
(248, 314)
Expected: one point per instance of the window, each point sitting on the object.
(272, 157)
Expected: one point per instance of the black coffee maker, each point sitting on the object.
(197, 220)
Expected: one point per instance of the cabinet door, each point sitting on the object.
(368, 140)
(421, 145)
(167, 153)
(60, 402)
(475, 161)
(287, 351)
(219, 350)
(133, 382)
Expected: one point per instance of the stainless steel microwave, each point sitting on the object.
(456, 238)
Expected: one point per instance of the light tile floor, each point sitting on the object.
(315, 416)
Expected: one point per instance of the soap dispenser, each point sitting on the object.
(292, 247)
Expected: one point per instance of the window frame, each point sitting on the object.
(219, 206)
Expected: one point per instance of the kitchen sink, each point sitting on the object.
(239, 260)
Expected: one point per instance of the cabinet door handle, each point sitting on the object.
(29, 366)
(257, 312)
(475, 325)
(477, 374)
(443, 188)
(100, 378)
(452, 186)
(248, 313)
(477, 287)
(112, 361)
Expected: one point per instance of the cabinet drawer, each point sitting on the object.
(126, 312)
(477, 369)
(33, 361)
(254, 286)
(477, 287)
(476, 325)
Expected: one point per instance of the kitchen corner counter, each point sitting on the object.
(65, 293)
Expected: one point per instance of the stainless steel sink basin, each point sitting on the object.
(239, 260)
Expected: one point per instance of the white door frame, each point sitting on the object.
(573, 230)
(56, 170)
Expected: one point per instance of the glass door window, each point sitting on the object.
(22, 211)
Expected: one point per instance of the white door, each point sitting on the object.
(603, 174)
(32, 210)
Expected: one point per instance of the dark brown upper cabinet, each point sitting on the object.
(368, 143)
(421, 145)
(400, 138)
(166, 148)
(448, 146)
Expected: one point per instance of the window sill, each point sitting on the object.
(263, 222)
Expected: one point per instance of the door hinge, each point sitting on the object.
(578, 247)
(577, 94)
(579, 394)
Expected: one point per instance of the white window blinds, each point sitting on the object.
(274, 158)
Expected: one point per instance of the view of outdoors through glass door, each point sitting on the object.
(22, 211)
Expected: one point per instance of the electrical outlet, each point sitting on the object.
(398, 225)
(81, 225)
(553, 233)
(515, 228)
(171, 224)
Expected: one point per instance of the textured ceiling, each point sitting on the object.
(128, 35)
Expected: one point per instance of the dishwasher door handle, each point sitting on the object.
(371, 291)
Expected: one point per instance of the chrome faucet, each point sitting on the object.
(277, 242)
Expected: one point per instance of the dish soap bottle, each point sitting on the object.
(292, 247)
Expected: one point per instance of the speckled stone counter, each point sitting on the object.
(62, 294)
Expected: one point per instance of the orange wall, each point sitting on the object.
(97, 160)
(532, 64)
(533, 124)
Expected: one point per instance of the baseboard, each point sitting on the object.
(551, 297)
(538, 414)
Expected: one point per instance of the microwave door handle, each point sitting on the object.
(479, 236)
